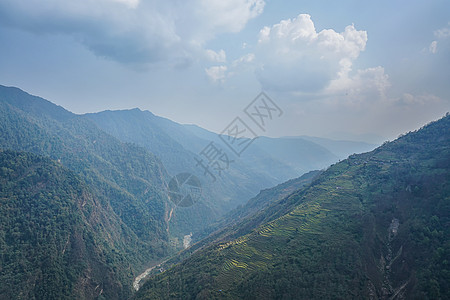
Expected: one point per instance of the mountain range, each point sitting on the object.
(374, 226)
(86, 208)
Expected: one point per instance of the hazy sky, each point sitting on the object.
(335, 68)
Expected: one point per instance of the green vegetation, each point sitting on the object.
(338, 237)
(244, 218)
(54, 243)
(126, 180)
(177, 147)
(82, 213)
(267, 162)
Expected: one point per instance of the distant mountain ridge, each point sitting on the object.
(127, 181)
(263, 165)
(341, 148)
(167, 140)
(374, 226)
(120, 158)
(124, 177)
(270, 161)
(296, 155)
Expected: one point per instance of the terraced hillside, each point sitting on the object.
(242, 220)
(374, 226)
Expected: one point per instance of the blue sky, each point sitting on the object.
(336, 68)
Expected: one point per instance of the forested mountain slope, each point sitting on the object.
(254, 212)
(57, 239)
(126, 178)
(374, 226)
(178, 147)
(267, 162)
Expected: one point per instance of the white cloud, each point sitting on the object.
(425, 99)
(235, 68)
(227, 16)
(134, 31)
(433, 47)
(130, 3)
(443, 33)
(368, 84)
(245, 59)
(441, 36)
(294, 57)
(214, 56)
(217, 73)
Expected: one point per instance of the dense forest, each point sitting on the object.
(373, 226)
(268, 162)
(84, 210)
(127, 181)
(54, 239)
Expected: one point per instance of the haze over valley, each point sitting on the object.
(247, 149)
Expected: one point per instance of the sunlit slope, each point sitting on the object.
(373, 226)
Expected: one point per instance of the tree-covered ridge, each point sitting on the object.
(126, 178)
(266, 163)
(57, 241)
(177, 147)
(258, 210)
(374, 226)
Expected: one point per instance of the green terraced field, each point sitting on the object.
(332, 239)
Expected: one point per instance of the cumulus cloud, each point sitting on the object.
(226, 16)
(443, 33)
(214, 56)
(433, 47)
(217, 74)
(244, 60)
(133, 31)
(441, 36)
(408, 99)
(130, 3)
(295, 57)
(368, 84)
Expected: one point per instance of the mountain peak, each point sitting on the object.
(33, 105)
